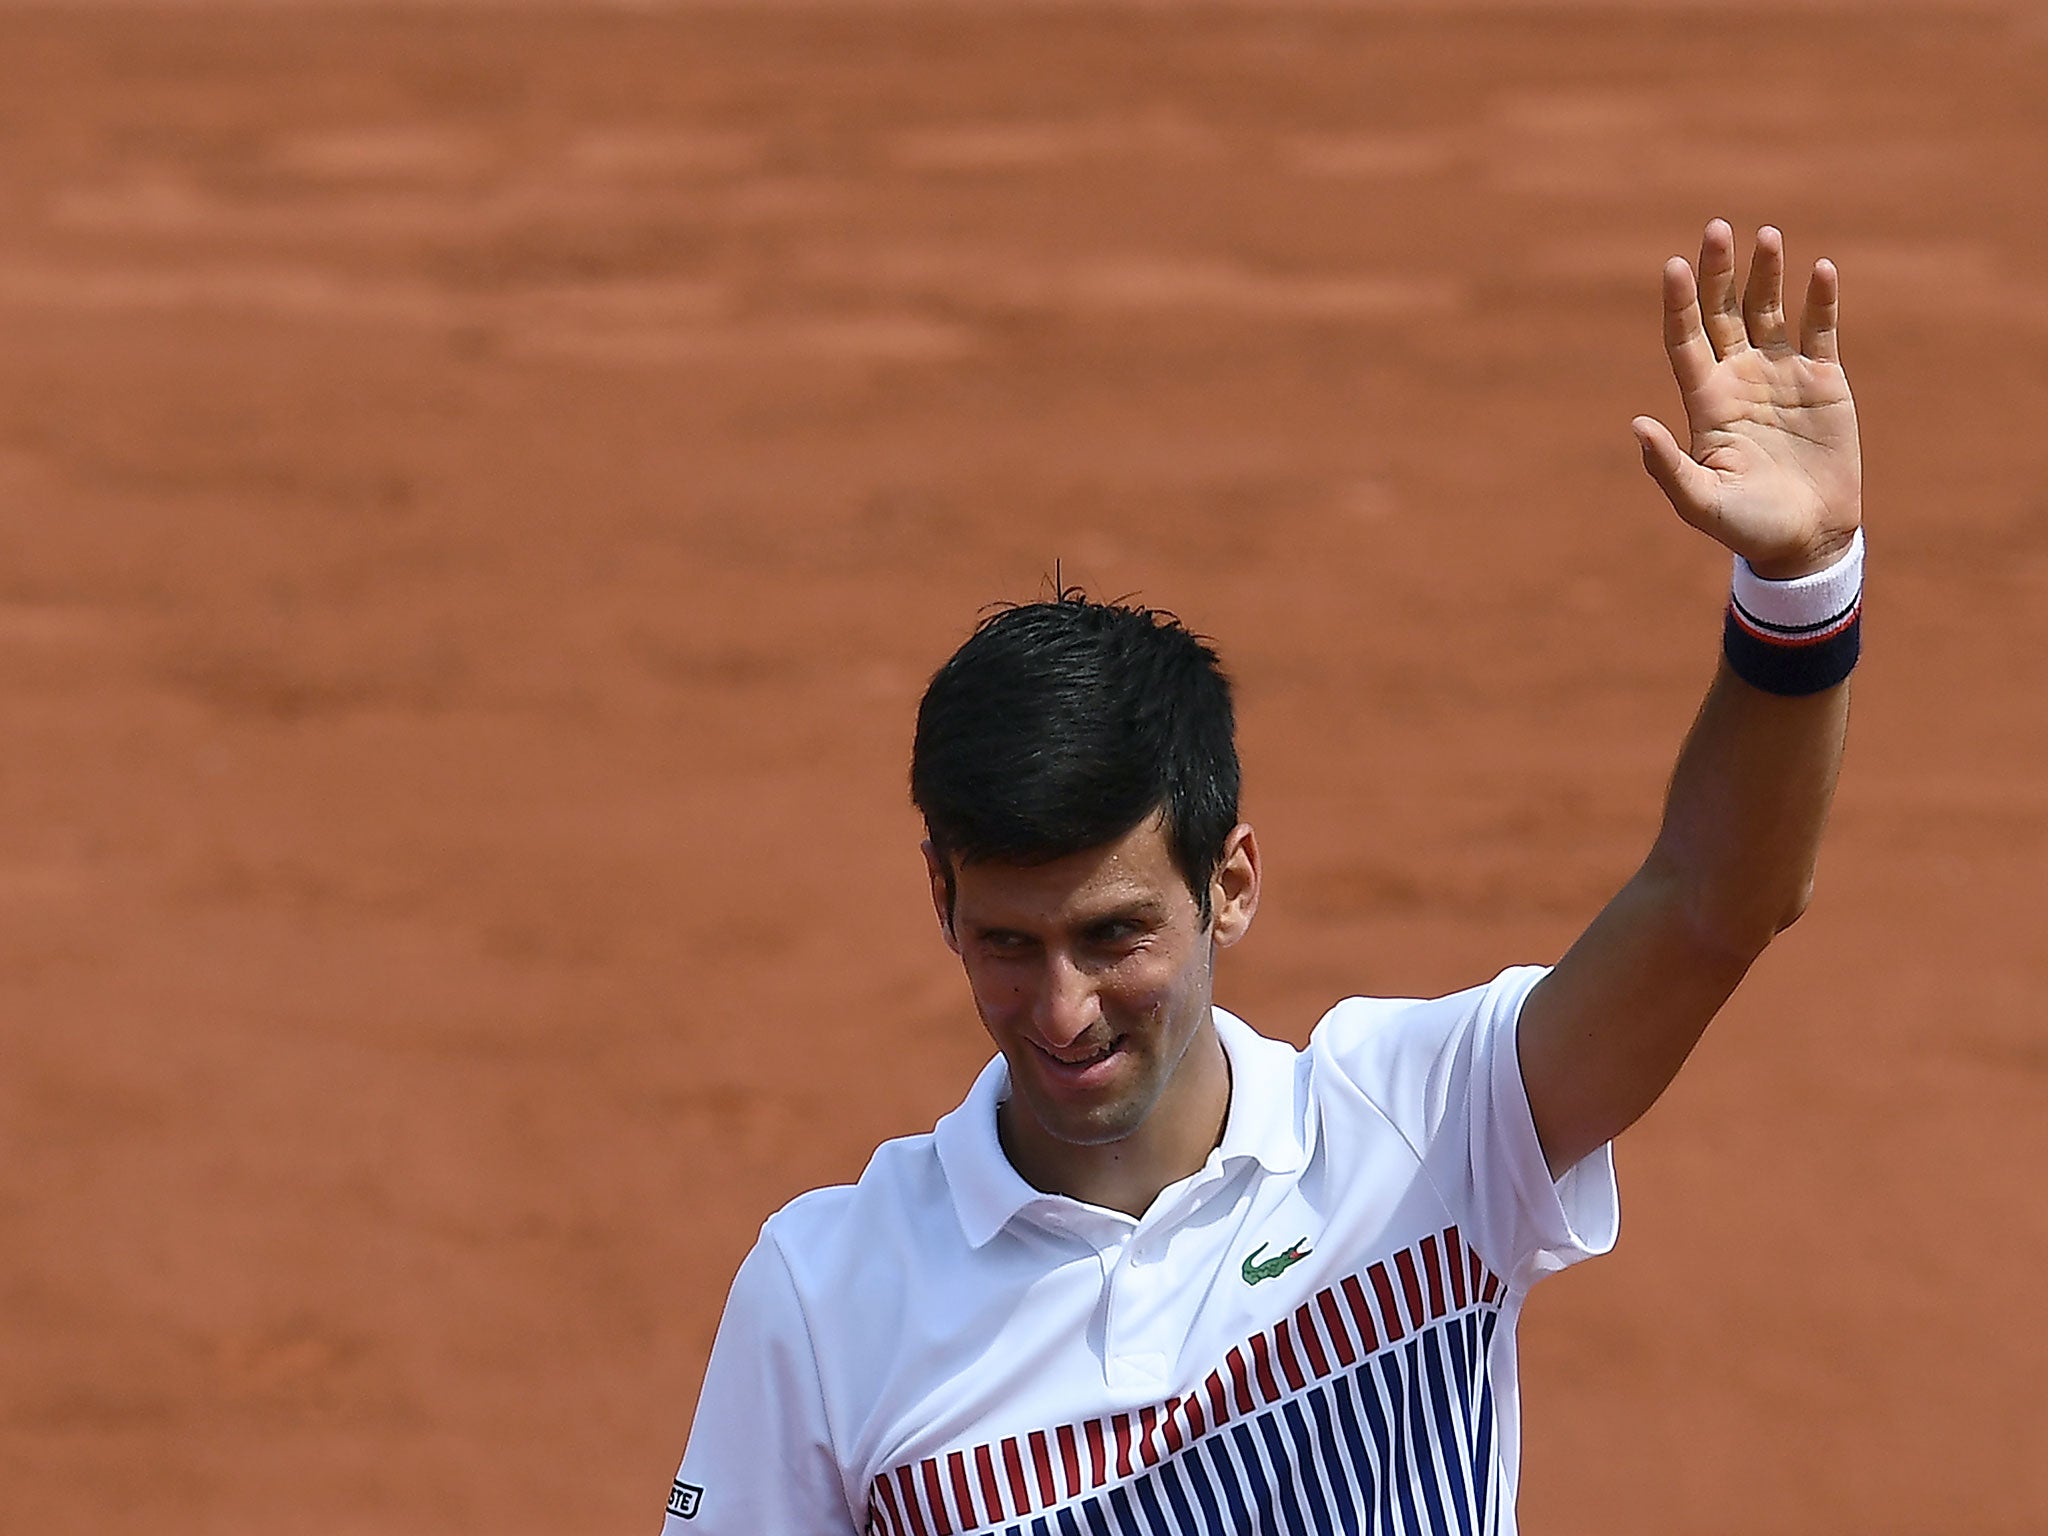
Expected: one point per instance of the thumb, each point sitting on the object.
(1687, 484)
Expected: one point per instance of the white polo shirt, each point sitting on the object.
(1314, 1332)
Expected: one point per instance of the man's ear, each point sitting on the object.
(942, 892)
(1234, 888)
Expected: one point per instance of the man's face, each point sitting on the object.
(1092, 974)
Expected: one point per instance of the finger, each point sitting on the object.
(1718, 306)
(1687, 484)
(1763, 300)
(1823, 312)
(1685, 340)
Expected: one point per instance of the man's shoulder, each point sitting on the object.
(1405, 1055)
(1356, 1022)
(900, 1199)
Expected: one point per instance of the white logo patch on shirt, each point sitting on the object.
(683, 1500)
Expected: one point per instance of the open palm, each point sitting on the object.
(1774, 471)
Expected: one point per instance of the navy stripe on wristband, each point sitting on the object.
(1793, 660)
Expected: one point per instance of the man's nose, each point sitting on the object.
(1067, 1005)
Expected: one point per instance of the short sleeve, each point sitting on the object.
(1446, 1074)
(760, 1453)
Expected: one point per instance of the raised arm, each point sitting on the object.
(1774, 474)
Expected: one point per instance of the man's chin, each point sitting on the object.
(1082, 1125)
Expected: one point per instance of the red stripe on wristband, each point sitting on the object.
(1811, 635)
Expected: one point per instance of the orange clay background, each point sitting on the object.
(481, 490)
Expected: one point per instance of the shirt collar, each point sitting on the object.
(1268, 1123)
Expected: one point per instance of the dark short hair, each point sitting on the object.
(1059, 726)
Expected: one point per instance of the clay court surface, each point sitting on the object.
(481, 490)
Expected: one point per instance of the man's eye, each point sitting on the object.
(1108, 934)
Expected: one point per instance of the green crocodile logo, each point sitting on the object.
(1257, 1269)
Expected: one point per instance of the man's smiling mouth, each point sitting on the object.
(1088, 1058)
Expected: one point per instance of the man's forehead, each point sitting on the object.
(1135, 870)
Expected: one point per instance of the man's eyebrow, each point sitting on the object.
(1145, 907)
(1137, 906)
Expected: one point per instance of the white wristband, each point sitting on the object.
(1796, 610)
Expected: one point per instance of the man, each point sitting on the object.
(1160, 1274)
